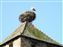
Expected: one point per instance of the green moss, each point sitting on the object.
(30, 31)
(39, 35)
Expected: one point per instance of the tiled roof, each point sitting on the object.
(28, 29)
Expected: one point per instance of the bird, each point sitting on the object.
(33, 9)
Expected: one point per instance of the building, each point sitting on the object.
(27, 35)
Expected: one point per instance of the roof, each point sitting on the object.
(29, 30)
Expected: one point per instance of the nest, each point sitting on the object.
(27, 16)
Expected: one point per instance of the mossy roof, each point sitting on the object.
(28, 29)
